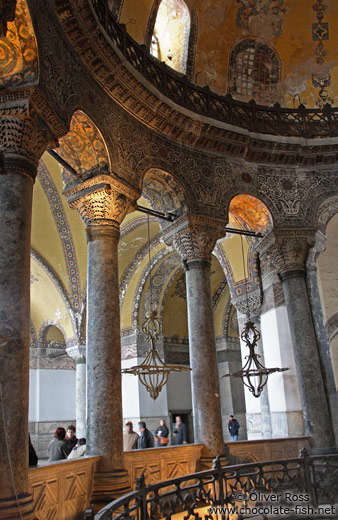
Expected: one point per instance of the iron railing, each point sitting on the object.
(281, 488)
(274, 120)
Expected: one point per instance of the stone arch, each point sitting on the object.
(249, 213)
(325, 212)
(168, 33)
(254, 71)
(84, 148)
(52, 335)
(164, 192)
(18, 49)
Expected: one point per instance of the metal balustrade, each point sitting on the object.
(295, 485)
(275, 120)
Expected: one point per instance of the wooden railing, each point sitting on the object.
(288, 488)
(274, 120)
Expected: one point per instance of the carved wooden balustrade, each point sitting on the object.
(294, 488)
(274, 120)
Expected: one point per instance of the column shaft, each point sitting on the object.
(15, 225)
(104, 413)
(311, 385)
(81, 398)
(205, 382)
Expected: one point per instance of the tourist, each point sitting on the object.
(79, 450)
(233, 427)
(161, 434)
(58, 447)
(146, 439)
(130, 437)
(180, 432)
(71, 437)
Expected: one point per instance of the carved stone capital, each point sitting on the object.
(28, 128)
(193, 237)
(77, 352)
(318, 247)
(250, 304)
(102, 202)
(287, 249)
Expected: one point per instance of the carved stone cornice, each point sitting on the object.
(102, 202)
(77, 352)
(249, 304)
(28, 128)
(193, 237)
(287, 249)
(318, 247)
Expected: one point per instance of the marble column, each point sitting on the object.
(79, 354)
(103, 203)
(23, 139)
(288, 250)
(318, 319)
(194, 239)
(253, 304)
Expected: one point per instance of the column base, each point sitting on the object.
(17, 507)
(108, 486)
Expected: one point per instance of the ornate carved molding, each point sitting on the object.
(77, 352)
(193, 236)
(25, 133)
(287, 248)
(249, 304)
(102, 201)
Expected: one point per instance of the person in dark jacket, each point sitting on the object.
(233, 427)
(58, 448)
(32, 456)
(71, 437)
(180, 432)
(146, 439)
(161, 434)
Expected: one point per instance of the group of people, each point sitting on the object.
(145, 439)
(65, 445)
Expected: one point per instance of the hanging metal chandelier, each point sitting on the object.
(153, 372)
(254, 375)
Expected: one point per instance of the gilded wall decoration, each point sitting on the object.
(254, 213)
(163, 192)
(270, 11)
(320, 33)
(180, 288)
(83, 147)
(18, 50)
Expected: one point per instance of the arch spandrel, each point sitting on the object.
(84, 148)
(18, 50)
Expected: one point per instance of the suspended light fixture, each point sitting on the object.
(153, 372)
(253, 374)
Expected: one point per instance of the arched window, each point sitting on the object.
(254, 71)
(170, 38)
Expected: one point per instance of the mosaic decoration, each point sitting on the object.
(83, 148)
(180, 288)
(18, 50)
(252, 211)
(33, 336)
(64, 230)
(249, 9)
(322, 83)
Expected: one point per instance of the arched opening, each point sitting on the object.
(254, 69)
(170, 38)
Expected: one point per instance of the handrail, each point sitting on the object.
(275, 120)
(313, 478)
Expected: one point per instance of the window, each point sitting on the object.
(254, 71)
(170, 38)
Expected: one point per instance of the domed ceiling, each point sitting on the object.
(268, 50)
